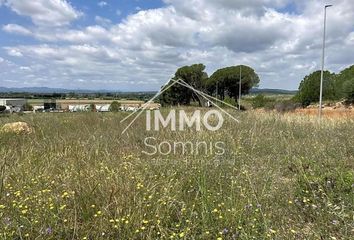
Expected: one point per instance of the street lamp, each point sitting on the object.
(323, 59)
(239, 89)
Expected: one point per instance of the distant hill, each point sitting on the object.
(46, 90)
(272, 91)
(49, 90)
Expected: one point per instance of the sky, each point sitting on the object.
(137, 45)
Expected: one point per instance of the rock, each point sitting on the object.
(339, 105)
(18, 128)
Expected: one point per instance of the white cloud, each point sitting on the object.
(94, 33)
(14, 28)
(350, 39)
(102, 4)
(150, 45)
(25, 68)
(154, 29)
(102, 21)
(45, 12)
(202, 9)
(118, 12)
(14, 52)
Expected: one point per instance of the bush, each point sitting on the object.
(92, 108)
(27, 107)
(270, 106)
(260, 101)
(115, 106)
(286, 106)
(230, 101)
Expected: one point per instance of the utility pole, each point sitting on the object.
(323, 60)
(239, 89)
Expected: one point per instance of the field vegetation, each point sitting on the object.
(78, 177)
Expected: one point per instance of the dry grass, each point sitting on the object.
(77, 177)
(329, 113)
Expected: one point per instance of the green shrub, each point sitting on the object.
(92, 108)
(115, 106)
(27, 107)
(260, 101)
(286, 106)
(230, 101)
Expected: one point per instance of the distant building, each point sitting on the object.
(15, 103)
(129, 107)
(38, 108)
(50, 104)
(136, 107)
(102, 108)
(63, 104)
(79, 108)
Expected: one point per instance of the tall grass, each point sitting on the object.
(77, 177)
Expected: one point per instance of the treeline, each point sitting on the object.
(336, 87)
(141, 96)
(223, 84)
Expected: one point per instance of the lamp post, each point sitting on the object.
(323, 59)
(239, 89)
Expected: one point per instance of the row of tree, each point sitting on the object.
(224, 83)
(335, 87)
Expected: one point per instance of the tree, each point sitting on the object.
(344, 84)
(92, 108)
(226, 81)
(27, 107)
(348, 90)
(309, 89)
(193, 75)
(115, 106)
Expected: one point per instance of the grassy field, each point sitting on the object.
(77, 177)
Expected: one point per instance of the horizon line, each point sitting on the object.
(106, 90)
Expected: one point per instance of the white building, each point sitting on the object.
(79, 108)
(129, 108)
(102, 108)
(38, 108)
(14, 102)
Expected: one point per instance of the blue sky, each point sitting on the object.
(137, 45)
(115, 11)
